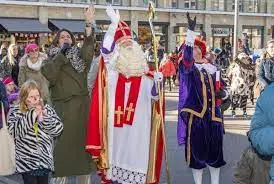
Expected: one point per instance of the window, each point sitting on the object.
(215, 5)
(190, 4)
(145, 2)
(255, 37)
(240, 4)
(219, 34)
(174, 4)
(117, 2)
(252, 6)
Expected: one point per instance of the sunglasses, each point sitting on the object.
(33, 50)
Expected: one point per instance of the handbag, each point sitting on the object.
(7, 148)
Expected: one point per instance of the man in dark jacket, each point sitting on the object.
(246, 44)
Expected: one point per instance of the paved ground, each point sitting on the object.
(235, 142)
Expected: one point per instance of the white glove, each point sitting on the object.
(113, 15)
(190, 37)
(158, 76)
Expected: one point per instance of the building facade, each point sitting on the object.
(215, 17)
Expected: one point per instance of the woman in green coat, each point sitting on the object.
(66, 71)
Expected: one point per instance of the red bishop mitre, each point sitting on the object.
(123, 32)
(201, 44)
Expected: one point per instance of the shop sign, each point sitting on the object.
(221, 32)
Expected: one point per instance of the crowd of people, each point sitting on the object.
(45, 99)
(72, 110)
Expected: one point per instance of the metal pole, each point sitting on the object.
(235, 36)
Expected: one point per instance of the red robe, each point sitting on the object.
(96, 143)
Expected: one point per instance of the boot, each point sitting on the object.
(233, 114)
(245, 115)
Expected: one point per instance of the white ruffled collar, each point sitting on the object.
(207, 66)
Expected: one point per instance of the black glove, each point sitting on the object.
(191, 23)
(225, 105)
(65, 48)
(220, 94)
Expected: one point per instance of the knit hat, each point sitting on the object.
(31, 47)
(7, 80)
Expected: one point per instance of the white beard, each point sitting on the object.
(207, 66)
(131, 61)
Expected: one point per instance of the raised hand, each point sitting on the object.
(89, 13)
(191, 23)
(113, 15)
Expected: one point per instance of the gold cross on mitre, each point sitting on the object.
(122, 28)
(119, 113)
(130, 110)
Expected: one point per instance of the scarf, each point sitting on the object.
(35, 66)
(73, 55)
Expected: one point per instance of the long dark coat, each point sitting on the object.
(70, 99)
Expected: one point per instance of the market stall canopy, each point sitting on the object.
(23, 25)
(75, 26)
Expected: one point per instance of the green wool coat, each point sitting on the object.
(70, 99)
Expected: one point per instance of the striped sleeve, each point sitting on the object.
(20, 123)
(52, 124)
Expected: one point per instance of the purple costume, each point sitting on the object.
(200, 121)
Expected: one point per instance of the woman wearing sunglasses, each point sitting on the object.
(30, 68)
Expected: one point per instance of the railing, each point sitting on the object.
(71, 1)
(27, 0)
(173, 4)
(247, 6)
(100, 2)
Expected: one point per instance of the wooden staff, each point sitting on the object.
(151, 12)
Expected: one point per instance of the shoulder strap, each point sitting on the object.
(271, 67)
(3, 115)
